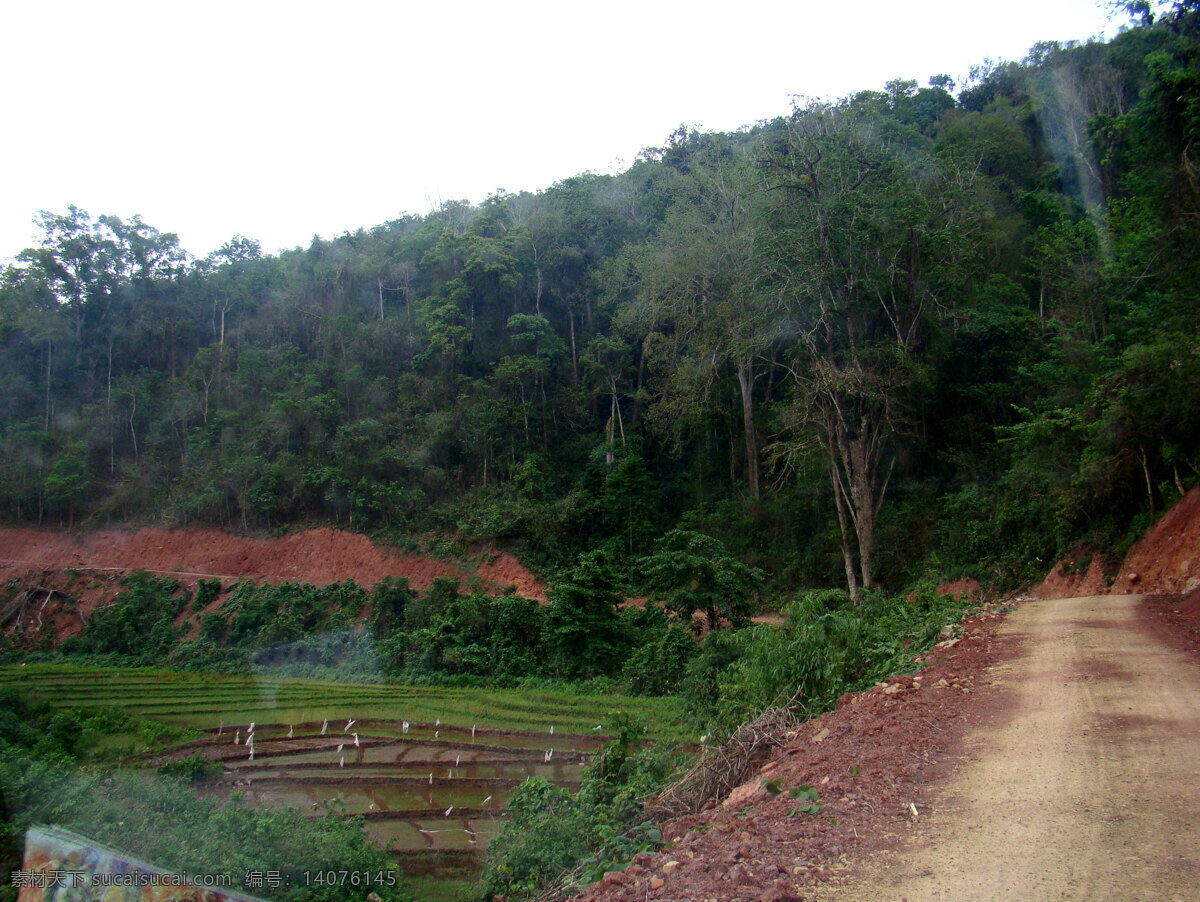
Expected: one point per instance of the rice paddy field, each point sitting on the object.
(430, 769)
(211, 700)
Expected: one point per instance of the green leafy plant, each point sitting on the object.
(807, 794)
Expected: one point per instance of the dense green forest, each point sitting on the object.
(900, 333)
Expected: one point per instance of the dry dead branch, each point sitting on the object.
(721, 768)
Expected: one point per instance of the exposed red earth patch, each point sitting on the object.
(88, 565)
(1072, 577)
(62, 600)
(1165, 560)
(967, 587)
(505, 570)
(316, 556)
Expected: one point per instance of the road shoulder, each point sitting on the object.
(877, 756)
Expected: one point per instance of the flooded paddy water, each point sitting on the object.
(432, 796)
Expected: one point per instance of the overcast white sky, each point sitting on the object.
(280, 120)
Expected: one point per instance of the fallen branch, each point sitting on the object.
(723, 767)
(49, 595)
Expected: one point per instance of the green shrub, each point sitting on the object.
(658, 666)
(137, 626)
(192, 769)
(389, 600)
(206, 592)
(701, 686)
(549, 831)
(825, 647)
(64, 732)
(695, 572)
(582, 634)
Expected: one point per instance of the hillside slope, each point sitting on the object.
(317, 556)
(1165, 560)
(63, 577)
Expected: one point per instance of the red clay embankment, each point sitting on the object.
(317, 556)
(1164, 561)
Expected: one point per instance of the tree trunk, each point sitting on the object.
(574, 358)
(524, 411)
(132, 431)
(855, 463)
(616, 406)
(112, 443)
(614, 423)
(609, 457)
(49, 364)
(1146, 473)
(745, 376)
(862, 479)
(843, 521)
(637, 389)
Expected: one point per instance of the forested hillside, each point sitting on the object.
(907, 331)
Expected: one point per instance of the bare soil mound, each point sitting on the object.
(316, 556)
(1081, 572)
(56, 599)
(505, 570)
(967, 587)
(1165, 560)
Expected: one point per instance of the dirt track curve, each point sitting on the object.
(1086, 785)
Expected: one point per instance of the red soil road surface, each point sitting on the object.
(1051, 752)
(1086, 783)
(316, 556)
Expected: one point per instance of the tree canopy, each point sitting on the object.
(899, 329)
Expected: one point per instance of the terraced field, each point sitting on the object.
(429, 769)
(207, 700)
(432, 790)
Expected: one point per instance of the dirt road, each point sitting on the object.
(1085, 785)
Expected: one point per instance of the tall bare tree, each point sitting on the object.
(869, 247)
